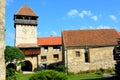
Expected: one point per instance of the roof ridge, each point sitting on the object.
(26, 10)
(89, 29)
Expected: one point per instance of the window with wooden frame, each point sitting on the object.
(46, 48)
(43, 58)
(56, 48)
(87, 56)
(77, 53)
(56, 56)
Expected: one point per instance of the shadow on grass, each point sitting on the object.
(106, 78)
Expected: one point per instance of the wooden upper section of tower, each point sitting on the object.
(25, 16)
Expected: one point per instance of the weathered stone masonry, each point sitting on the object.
(2, 39)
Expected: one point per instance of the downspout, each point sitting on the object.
(66, 61)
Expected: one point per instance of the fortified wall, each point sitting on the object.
(2, 39)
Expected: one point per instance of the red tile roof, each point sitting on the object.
(26, 11)
(119, 33)
(31, 51)
(49, 41)
(98, 37)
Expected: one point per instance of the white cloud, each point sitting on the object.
(53, 33)
(104, 27)
(97, 27)
(112, 17)
(81, 15)
(84, 13)
(101, 27)
(95, 18)
(73, 12)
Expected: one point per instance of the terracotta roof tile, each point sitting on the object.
(119, 33)
(49, 41)
(26, 10)
(30, 51)
(98, 37)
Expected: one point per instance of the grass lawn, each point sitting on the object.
(88, 76)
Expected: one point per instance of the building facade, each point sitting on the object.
(38, 52)
(89, 49)
(79, 50)
(2, 39)
(25, 24)
(51, 50)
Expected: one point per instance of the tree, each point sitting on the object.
(13, 54)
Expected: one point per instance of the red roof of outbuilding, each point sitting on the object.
(26, 11)
(98, 37)
(119, 33)
(49, 41)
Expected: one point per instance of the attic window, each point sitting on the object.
(56, 48)
(46, 48)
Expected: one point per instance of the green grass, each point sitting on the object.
(21, 76)
(87, 76)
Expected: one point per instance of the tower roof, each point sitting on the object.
(26, 11)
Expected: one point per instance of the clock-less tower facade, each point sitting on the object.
(25, 23)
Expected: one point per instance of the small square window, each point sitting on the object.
(56, 56)
(77, 54)
(43, 58)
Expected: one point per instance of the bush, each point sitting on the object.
(61, 68)
(48, 75)
(10, 74)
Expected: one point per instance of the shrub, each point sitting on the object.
(48, 75)
(10, 74)
(61, 68)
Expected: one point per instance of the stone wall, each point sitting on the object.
(36, 61)
(101, 57)
(25, 34)
(33, 60)
(2, 39)
(49, 55)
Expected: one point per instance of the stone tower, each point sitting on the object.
(25, 23)
(2, 39)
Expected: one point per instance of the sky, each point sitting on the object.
(58, 15)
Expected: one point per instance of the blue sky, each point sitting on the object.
(58, 15)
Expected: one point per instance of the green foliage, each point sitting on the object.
(48, 75)
(12, 53)
(61, 68)
(10, 74)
